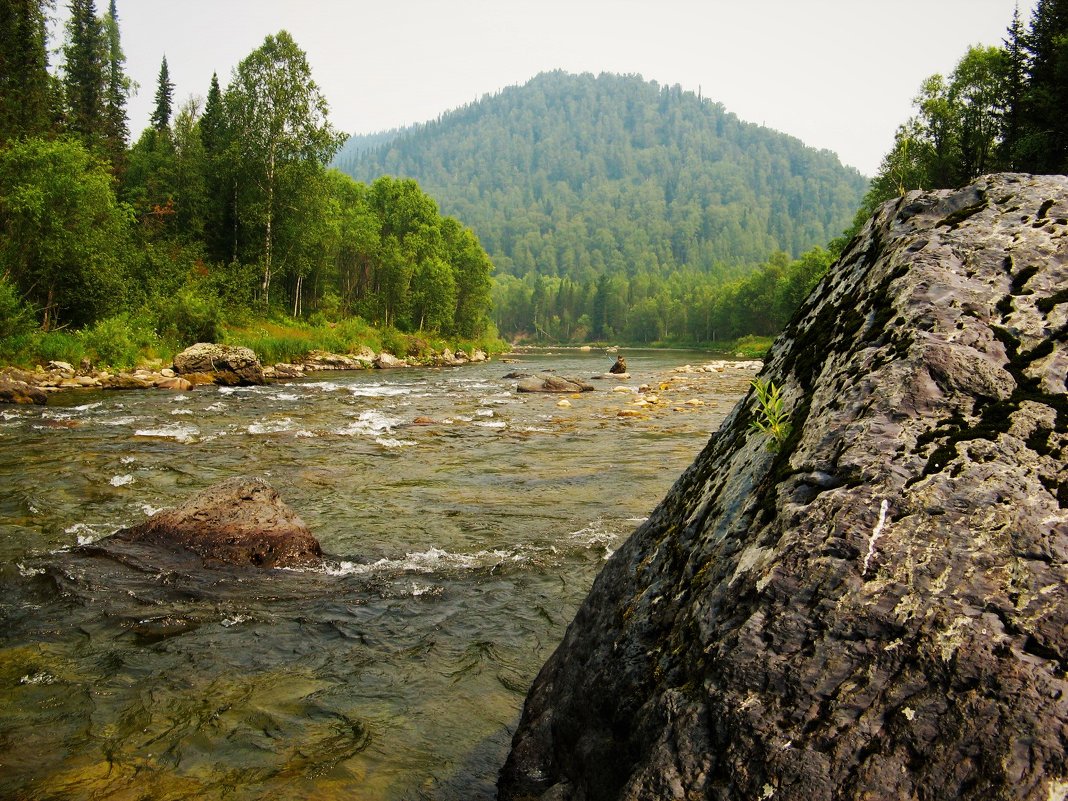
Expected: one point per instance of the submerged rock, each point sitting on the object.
(552, 383)
(877, 606)
(229, 364)
(241, 521)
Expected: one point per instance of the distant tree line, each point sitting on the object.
(1001, 109)
(684, 307)
(222, 206)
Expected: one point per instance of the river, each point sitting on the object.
(459, 547)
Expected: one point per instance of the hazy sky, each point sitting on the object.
(838, 74)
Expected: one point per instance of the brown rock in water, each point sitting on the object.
(12, 391)
(241, 521)
(552, 383)
(176, 383)
(230, 365)
(878, 608)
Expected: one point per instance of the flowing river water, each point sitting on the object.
(459, 550)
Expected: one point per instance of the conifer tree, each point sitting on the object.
(1043, 144)
(24, 81)
(83, 73)
(1015, 76)
(161, 116)
(116, 92)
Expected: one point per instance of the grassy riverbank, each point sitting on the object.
(128, 341)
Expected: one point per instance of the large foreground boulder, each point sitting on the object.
(240, 521)
(230, 365)
(875, 607)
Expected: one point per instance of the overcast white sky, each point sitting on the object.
(838, 74)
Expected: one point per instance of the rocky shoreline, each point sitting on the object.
(206, 363)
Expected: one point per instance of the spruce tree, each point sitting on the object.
(24, 81)
(161, 117)
(84, 52)
(1044, 144)
(1015, 77)
(117, 91)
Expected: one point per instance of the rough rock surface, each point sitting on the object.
(240, 521)
(13, 391)
(229, 364)
(879, 608)
(552, 383)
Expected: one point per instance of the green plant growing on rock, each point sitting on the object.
(771, 418)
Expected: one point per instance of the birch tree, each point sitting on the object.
(278, 118)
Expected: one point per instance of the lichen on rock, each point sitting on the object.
(879, 609)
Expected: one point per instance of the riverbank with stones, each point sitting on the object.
(205, 363)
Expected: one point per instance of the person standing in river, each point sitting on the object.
(619, 367)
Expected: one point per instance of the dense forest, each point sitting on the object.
(613, 208)
(223, 209)
(602, 197)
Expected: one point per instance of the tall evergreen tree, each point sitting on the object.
(116, 91)
(1015, 77)
(83, 73)
(219, 218)
(1044, 143)
(161, 116)
(24, 81)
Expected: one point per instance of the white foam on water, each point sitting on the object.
(128, 459)
(370, 423)
(181, 411)
(180, 432)
(485, 412)
(121, 481)
(378, 391)
(38, 678)
(492, 425)
(86, 407)
(429, 561)
(179, 398)
(88, 533)
(289, 396)
(151, 511)
(325, 386)
(216, 407)
(29, 572)
(227, 622)
(271, 426)
(120, 421)
(392, 442)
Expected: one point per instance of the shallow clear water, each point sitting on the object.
(459, 552)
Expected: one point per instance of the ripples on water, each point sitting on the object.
(460, 549)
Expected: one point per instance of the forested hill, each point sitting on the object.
(583, 175)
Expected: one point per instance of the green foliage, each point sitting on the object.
(24, 81)
(189, 316)
(751, 347)
(63, 236)
(15, 318)
(575, 176)
(771, 417)
(1000, 109)
(118, 341)
(687, 307)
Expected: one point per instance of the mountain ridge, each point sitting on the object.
(579, 175)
